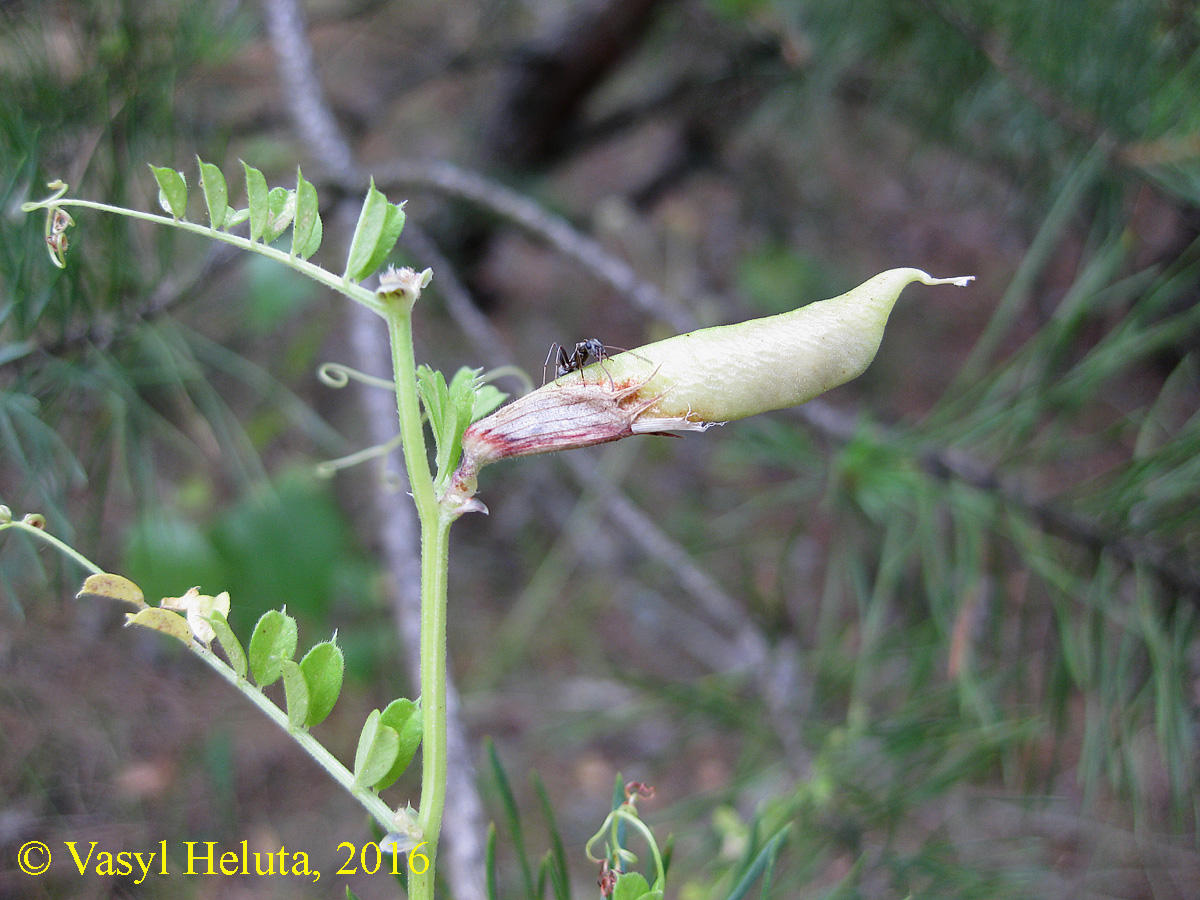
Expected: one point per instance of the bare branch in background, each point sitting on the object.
(535, 220)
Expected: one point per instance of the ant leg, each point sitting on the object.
(554, 348)
(581, 361)
(603, 368)
(565, 364)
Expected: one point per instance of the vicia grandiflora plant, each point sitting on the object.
(685, 383)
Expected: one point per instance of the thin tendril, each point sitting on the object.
(336, 375)
(331, 467)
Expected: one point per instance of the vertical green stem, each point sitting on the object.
(398, 313)
(435, 534)
(434, 563)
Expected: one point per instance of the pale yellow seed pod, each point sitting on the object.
(692, 381)
(732, 371)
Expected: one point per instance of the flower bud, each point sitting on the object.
(404, 284)
(692, 381)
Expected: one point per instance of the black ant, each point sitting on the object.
(585, 352)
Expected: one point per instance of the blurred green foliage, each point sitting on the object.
(773, 276)
(1019, 84)
(288, 544)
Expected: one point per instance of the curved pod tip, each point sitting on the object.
(733, 371)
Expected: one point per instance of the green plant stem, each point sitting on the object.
(50, 539)
(304, 267)
(636, 822)
(434, 565)
(435, 534)
(379, 810)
